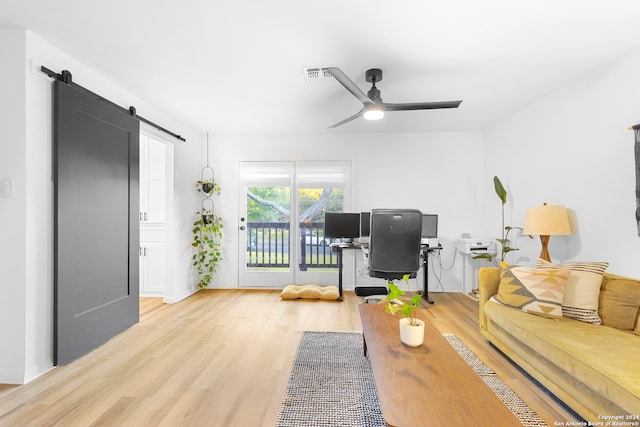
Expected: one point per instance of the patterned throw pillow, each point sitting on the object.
(580, 301)
(533, 290)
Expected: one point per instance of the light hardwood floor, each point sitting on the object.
(220, 358)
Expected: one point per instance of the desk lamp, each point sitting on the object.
(546, 221)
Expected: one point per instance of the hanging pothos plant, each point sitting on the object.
(207, 187)
(207, 235)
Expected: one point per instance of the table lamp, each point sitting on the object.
(546, 221)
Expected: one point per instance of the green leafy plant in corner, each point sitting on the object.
(504, 239)
(407, 308)
(207, 235)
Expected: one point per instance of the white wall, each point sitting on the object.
(435, 172)
(574, 148)
(12, 219)
(26, 226)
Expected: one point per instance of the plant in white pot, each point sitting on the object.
(411, 328)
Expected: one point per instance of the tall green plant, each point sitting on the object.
(504, 239)
(207, 235)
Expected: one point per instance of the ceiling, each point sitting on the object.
(236, 66)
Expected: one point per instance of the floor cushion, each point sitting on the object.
(310, 292)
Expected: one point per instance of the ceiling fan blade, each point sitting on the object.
(348, 119)
(421, 105)
(345, 81)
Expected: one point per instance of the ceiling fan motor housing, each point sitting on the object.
(374, 94)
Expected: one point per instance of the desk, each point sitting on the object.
(338, 248)
(426, 250)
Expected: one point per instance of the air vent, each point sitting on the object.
(312, 74)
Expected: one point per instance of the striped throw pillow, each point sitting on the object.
(582, 291)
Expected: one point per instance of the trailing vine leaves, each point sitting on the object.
(207, 235)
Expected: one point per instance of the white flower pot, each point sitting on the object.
(413, 336)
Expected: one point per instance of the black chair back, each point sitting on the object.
(394, 243)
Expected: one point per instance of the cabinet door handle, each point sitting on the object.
(145, 251)
(146, 216)
(140, 251)
(140, 216)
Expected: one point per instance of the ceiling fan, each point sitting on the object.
(372, 106)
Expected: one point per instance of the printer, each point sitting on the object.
(477, 246)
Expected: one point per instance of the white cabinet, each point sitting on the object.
(152, 272)
(152, 181)
(152, 217)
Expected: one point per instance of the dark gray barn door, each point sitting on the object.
(96, 234)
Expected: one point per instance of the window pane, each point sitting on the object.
(315, 252)
(268, 237)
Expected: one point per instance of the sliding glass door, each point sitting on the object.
(281, 233)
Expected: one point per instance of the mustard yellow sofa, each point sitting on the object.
(594, 369)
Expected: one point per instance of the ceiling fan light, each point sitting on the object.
(374, 112)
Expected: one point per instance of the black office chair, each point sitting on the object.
(394, 243)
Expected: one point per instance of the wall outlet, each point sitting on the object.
(5, 187)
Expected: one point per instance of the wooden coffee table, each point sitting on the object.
(430, 385)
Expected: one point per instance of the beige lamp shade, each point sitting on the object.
(545, 221)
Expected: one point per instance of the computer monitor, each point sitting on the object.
(341, 225)
(365, 218)
(429, 226)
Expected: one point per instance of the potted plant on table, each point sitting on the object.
(411, 328)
